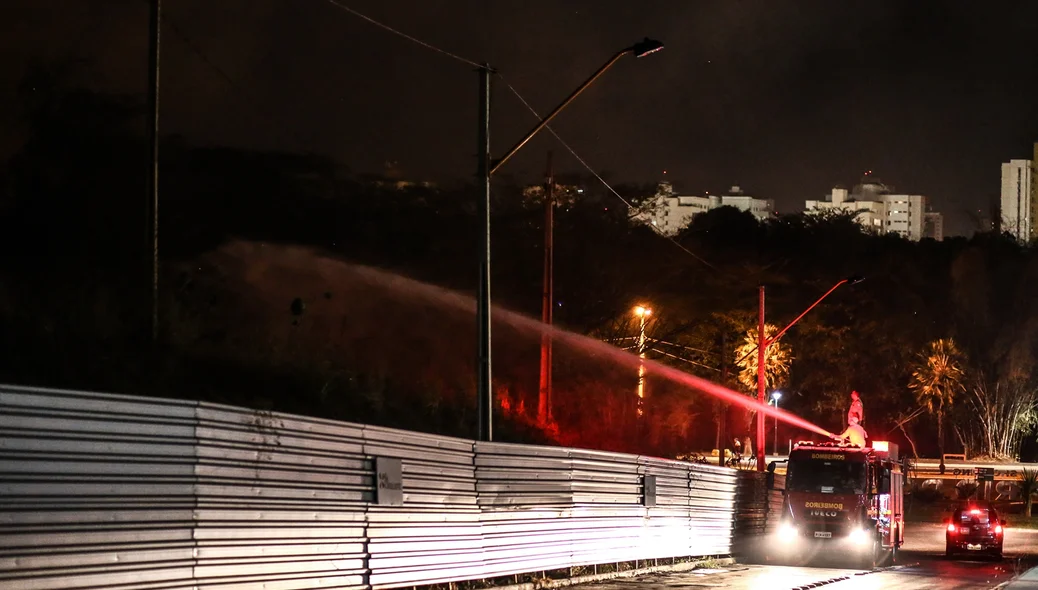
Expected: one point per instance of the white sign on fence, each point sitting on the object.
(389, 483)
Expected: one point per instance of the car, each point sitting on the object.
(974, 528)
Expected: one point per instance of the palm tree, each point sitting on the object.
(1028, 486)
(777, 359)
(936, 379)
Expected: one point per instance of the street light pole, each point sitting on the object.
(774, 447)
(486, 169)
(763, 343)
(485, 396)
(640, 49)
(776, 396)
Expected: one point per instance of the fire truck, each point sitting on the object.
(843, 500)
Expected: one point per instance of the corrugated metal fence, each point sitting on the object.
(106, 491)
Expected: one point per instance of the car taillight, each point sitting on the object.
(998, 529)
(951, 528)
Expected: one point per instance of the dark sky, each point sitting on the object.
(784, 98)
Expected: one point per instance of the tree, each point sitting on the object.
(1003, 411)
(936, 379)
(1028, 486)
(777, 359)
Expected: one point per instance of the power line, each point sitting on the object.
(404, 35)
(470, 62)
(674, 356)
(596, 175)
(198, 51)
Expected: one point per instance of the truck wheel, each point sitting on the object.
(890, 556)
(868, 561)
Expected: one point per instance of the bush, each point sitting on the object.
(966, 490)
(927, 495)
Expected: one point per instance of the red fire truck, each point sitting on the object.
(843, 500)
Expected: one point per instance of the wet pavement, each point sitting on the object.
(921, 565)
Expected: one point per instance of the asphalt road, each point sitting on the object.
(921, 565)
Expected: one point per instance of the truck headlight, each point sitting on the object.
(859, 536)
(787, 532)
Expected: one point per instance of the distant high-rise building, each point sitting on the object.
(1017, 203)
(933, 225)
(670, 212)
(1034, 190)
(879, 209)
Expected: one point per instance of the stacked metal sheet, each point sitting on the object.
(103, 491)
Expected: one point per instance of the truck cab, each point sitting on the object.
(842, 499)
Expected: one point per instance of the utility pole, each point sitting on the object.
(152, 133)
(544, 417)
(762, 344)
(484, 392)
(722, 421)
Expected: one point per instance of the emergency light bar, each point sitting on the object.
(885, 448)
(826, 445)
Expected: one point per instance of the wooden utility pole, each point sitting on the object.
(722, 419)
(544, 415)
(762, 347)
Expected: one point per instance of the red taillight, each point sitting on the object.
(998, 529)
(951, 528)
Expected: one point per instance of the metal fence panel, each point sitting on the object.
(95, 491)
(281, 501)
(106, 490)
(435, 535)
(585, 507)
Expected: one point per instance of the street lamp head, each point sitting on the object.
(776, 395)
(854, 280)
(642, 311)
(645, 47)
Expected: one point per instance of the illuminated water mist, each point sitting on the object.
(431, 293)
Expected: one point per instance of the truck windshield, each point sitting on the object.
(826, 477)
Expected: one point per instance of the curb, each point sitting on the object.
(685, 566)
(849, 576)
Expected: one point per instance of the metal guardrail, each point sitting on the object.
(103, 491)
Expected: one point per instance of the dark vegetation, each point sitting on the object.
(290, 330)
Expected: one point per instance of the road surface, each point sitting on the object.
(921, 565)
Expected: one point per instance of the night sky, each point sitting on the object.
(786, 99)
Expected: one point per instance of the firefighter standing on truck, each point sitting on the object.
(856, 409)
(854, 434)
